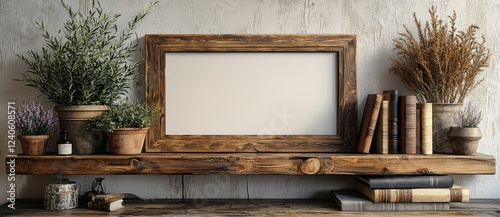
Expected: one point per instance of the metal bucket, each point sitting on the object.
(60, 195)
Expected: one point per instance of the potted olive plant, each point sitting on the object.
(84, 67)
(465, 137)
(33, 124)
(440, 64)
(126, 126)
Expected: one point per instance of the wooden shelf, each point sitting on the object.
(254, 163)
(204, 207)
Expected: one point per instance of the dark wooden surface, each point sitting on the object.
(477, 207)
(255, 163)
(343, 45)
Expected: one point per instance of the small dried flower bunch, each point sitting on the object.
(468, 117)
(32, 119)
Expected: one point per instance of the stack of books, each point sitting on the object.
(106, 202)
(393, 124)
(401, 193)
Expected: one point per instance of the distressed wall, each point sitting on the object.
(376, 22)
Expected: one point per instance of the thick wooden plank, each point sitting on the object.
(253, 163)
(344, 45)
(223, 143)
(490, 207)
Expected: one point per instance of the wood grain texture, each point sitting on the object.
(208, 208)
(344, 45)
(256, 163)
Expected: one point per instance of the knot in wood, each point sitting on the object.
(135, 163)
(424, 171)
(310, 166)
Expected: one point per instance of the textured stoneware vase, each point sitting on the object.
(464, 140)
(33, 144)
(442, 120)
(74, 119)
(127, 140)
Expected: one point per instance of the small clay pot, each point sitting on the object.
(464, 140)
(33, 144)
(127, 140)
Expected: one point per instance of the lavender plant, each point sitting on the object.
(468, 117)
(32, 119)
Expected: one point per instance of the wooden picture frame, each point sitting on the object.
(345, 47)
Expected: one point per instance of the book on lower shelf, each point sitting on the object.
(401, 195)
(351, 200)
(108, 196)
(414, 181)
(105, 205)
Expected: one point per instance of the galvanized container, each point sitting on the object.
(60, 195)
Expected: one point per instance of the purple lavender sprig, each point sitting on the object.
(32, 119)
(468, 117)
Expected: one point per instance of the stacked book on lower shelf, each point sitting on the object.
(401, 193)
(106, 202)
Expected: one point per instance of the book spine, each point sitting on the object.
(380, 142)
(425, 127)
(408, 124)
(101, 205)
(418, 131)
(385, 127)
(408, 182)
(459, 194)
(392, 97)
(369, 122)
(438, 206)
(376, 146)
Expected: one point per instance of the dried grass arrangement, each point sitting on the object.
(441, 63)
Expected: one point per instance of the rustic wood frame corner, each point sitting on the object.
(347, 107)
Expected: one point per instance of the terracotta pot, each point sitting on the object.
(33, 144)
(127, 140)
(74, 119)
(464, 140)
(442, 120)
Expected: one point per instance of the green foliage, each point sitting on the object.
(128, 115)
(88, 61)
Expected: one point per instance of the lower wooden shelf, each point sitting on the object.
(203, 207)
(252, 163)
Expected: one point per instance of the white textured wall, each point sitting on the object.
(376, 22)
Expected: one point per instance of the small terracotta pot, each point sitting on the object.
(127, 140)
(464, 140)
(33, 144)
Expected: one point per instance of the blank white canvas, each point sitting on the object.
(260, 93)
